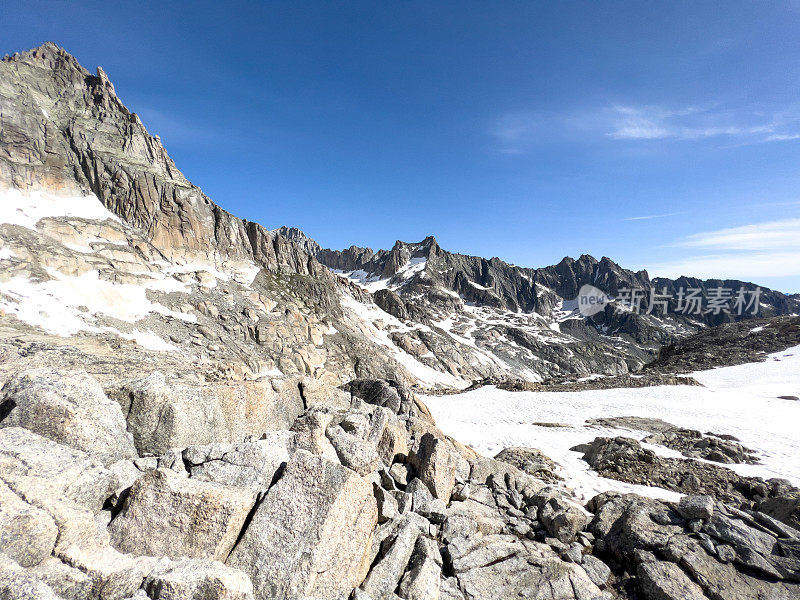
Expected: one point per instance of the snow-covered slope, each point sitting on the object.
(741, 400)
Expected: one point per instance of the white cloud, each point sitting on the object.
(749, 252)
(695, 123)
(773, 235)
(648, 217)
(748, 267)
(514, 132)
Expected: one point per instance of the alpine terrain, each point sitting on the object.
(195, 406)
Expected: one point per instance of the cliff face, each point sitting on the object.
(65, 130)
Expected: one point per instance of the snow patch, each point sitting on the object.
(740, 400)
(65, 305)
(27, 209)
(367, 315)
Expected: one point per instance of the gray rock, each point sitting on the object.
(387, 571)
(27, 533)
(436, 462)
(696, 507)
(165, 414)
(721, 580)
(449, 590)
(68, 407)
(311, 430)
(422, 582)
(166, 514)
(573, 554)
(435, 511)
(17, 584)
(66, 581)
(198, 580)
(561, 518)
(667, 581)
(738, 534)
(33, 466)
(401, 473)
(251, 465)
(531, 461)
(428, 549)
(354, 452)
(387, 505)
(311, 535)
(519, 576)
(596, 569)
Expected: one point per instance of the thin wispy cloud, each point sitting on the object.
(749, 252)
(515, 132)
(773, 235)
(696, 123)
(648, 217)
(752, 267)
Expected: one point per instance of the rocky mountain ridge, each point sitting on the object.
(421, 281)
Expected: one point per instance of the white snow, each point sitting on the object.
(414, 265)
(26, 209)
(243, 272)
(66, 305)
(372, 283)
(147, 339)
(368, 315)
(741, 401)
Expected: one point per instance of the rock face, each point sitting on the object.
(166, 514)
(424, 283)
(436, 463)
(35, 467)
(163, 414)
(69, 408)
(198, 579)
(310, 536)
(732, 554)
(729, 344)
(625, 459)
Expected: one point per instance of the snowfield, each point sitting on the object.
(740, 400)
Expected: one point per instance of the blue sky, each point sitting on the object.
(664, 135)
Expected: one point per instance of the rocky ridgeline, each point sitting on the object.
(449, 281)
(120, 493)
(729, 344)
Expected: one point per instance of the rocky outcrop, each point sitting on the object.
(725, 554)
(311, 534)
(68, 407)
(422, 518)
(729, 344)
(164, 414)
(421, 271)
(65, 129)
(167, 514)
(625, 459)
